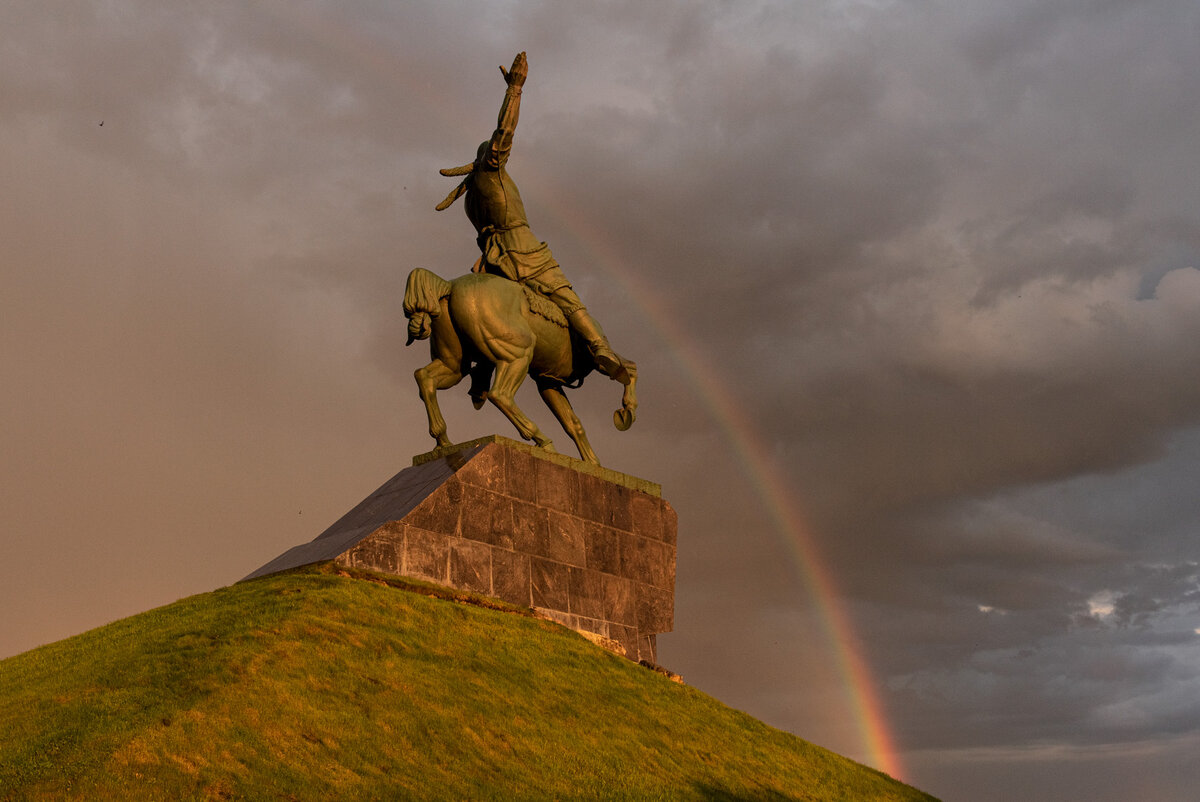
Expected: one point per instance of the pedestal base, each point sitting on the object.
(591, 548)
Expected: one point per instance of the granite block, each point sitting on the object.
(565, 539)
(520, 474)
(471, 565)
(647, 516)
(670, 524)
(655, 609)
(486, 516)
(550, 584)
(376, 554)
(531, 528)
(510, 577)
(603, 548)
(620, 599)
(557, 487)
(439, 512)
(426, 554)
(373, 555)
(620, 512)
(650, 561)
(586, 593)
(593, 499)
(604, 502)
(486, 469)
(392, 532)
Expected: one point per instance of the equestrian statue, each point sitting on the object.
(515, 313)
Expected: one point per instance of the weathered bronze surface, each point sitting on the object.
(481, 324)
(516, 313)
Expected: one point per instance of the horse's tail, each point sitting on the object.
(423, 296)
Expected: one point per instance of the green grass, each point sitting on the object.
(310, 685)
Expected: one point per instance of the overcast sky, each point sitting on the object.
(928, 267)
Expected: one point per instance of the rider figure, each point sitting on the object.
(507, 245)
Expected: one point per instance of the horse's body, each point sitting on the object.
(479, 324)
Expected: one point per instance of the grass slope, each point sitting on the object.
(310, 685)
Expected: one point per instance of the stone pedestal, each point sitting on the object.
(591, 548)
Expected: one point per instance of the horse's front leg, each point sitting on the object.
(624, 417)
(437, 375)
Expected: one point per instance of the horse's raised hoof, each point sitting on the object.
(623, 419)
(478, 401)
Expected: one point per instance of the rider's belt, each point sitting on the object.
(516, 265)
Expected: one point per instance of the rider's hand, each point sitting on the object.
(515, 75)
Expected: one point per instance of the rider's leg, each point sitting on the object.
(589, 329)
(606, 359)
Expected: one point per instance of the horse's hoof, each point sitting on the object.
(623, 419)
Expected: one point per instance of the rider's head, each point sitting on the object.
(482, 151)
(480, 155)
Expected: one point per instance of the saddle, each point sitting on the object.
(541, 305)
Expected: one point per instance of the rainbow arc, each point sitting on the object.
(371, 53)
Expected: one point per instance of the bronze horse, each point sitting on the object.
(482, 324)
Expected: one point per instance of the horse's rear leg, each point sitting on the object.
(509, 376)
(560, 405)
(431, 378)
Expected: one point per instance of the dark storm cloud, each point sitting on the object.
(954, 294)
(943, 257)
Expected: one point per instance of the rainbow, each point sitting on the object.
(754, 457)
(370, 52)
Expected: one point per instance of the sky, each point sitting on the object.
(911, 287)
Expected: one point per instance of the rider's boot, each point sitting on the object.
(606, 359)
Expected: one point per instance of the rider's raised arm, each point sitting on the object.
(506, 125)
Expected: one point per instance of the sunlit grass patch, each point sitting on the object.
(312, 685)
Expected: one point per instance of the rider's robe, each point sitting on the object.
(494, 207)
(506, 242)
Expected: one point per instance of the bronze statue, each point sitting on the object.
(480, 323)
(507, 245)
(515, 313)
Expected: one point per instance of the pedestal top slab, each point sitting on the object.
(608, 475)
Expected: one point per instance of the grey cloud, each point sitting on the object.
(940, 257)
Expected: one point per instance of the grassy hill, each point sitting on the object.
(314, 685)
